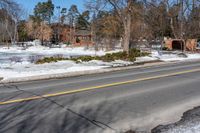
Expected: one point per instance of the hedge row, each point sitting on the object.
(133, 53)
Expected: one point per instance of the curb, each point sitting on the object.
(88, 72)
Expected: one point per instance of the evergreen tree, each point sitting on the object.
(22, 31)
(83, 20)
(44, 11)
(72, 15)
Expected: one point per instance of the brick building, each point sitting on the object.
(65, 33)
(180, 44)
(83, 38)
(61, 32)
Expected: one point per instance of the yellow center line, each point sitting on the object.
(96, 87)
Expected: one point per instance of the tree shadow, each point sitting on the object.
(49, 116)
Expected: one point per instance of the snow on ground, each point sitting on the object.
(16, 62)
(28, 69)
(145, 58)
(69, 51)
(40, 50)
(189, 127)
(174, 56)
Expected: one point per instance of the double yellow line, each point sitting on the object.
(96, 87)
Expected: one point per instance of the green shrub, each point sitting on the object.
(165, 48)
(120, 56)
(114, 56)
(67, 43)
(107, 58)
(85, 58)
(133, 53)
(78, 40)
(50, 59)
(145, 54)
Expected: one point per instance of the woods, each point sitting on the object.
(110, 22)
(152, 19)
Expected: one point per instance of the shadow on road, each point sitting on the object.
(49, 116)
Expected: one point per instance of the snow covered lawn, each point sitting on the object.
(16, 62)
(174, 56)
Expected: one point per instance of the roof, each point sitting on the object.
(83, 33)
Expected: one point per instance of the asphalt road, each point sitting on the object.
(137, 99)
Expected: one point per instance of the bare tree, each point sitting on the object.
(39, 30)
(123, 9)
(11, 16)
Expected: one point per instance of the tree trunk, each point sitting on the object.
(15, 33)
(127, 32)
(172, 27)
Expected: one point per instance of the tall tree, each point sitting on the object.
(108, 29)
(123, 9)
(22, 31)
(63, 15)
(193, 23)
(83, 20)
(44, 10)
(157, 19)
(72, 16)
(10, 18)
(40, 30)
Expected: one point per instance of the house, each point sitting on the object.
(65, 33)
(61, 33)
(83, 38)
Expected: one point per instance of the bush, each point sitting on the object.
(67, 43)
(114, 56)
(145, 54)
(107, 58)
(165, 48)
(133, 53)
(120, 56)
(34, 58)
(85, 58)
(50, 59)
(78, 40)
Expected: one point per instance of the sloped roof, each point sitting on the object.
(83, 32)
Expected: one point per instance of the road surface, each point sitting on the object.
(137, 99)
